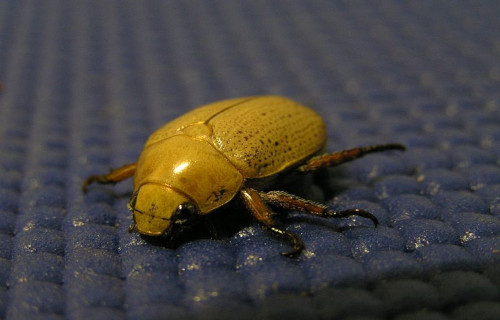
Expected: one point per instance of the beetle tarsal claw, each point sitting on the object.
(297, 243)
(292, 254)
(352, 212)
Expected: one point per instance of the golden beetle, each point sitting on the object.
(203, 159)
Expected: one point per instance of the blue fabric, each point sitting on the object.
(85, 83)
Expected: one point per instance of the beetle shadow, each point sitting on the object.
(332, 181)
(220, 224)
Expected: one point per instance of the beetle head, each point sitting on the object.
(157, 209)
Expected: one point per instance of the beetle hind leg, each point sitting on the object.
(114, 176)
(263, 214)
(296, 241)
(292, 202)
(340, 157)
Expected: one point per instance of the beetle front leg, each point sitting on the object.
(340, 157)
(262, 213)
(114, 176)
(292, 202)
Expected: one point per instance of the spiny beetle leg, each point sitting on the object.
(114, 176)
(292, 202)
(340, 157)
(261, 212)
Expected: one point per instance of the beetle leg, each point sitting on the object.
(339, 157)
(114, 176)
(264, 215)
(292, 202)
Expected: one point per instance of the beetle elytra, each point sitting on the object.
(203, 159)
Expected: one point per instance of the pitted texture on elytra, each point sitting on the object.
(200, 116)
(260, 136)
(86, 82)
(265, 135)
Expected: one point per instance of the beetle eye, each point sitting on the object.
(184, 213)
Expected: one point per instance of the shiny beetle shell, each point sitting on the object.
(260, 136)
(207, 154)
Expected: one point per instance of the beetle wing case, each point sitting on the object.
(260, 136)
(265, 135)
(199, 115)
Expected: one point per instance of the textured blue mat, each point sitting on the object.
(85, 83)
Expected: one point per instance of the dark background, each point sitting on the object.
(85, 83)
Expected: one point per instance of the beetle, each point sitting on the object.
(203, 159)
